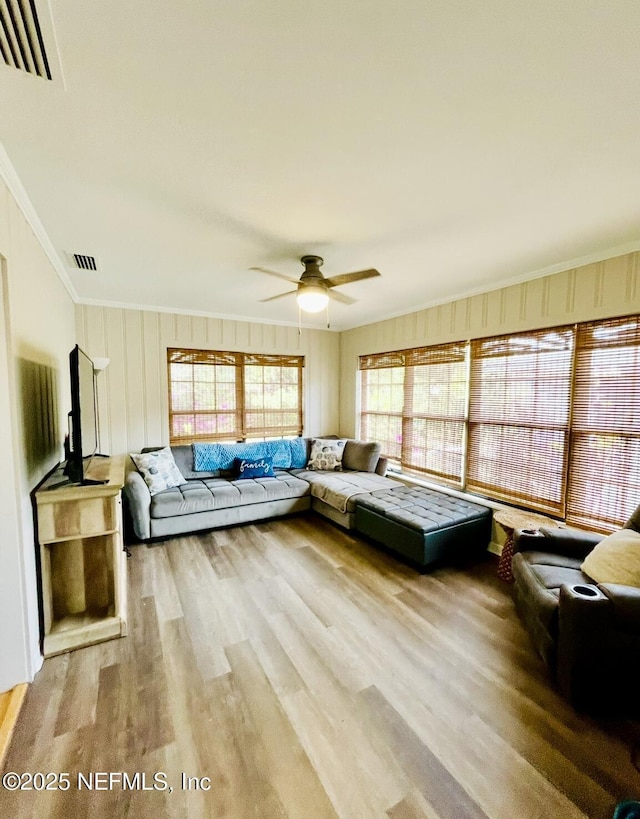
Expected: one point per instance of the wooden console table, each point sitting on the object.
(83, 565)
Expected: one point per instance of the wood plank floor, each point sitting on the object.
(306, 674)
(10, 705)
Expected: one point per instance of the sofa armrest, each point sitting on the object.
(567, 542)
(625, 603)
(598, 658)
(139, 504)
(382, 466)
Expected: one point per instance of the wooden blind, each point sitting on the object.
(519, 407)
(604, 469)
(216, 395)
(382, 401)
(435, 407)
(553, 425)
(273, 395)
(205, 395)
(414, 403)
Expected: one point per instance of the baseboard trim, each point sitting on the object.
(10, 705)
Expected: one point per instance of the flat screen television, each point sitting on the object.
(83, 419)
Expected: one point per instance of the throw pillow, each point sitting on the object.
(326, 454)
(257, 468)
(361, 456)
(616, 559)
(158, 469)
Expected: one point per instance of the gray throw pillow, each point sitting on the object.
(361, 456)
(158, 469)
(326, 454)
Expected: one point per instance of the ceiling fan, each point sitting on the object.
(313, 290)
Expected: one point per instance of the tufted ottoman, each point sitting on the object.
(424, 525)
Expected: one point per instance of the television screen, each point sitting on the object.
(87, 428)
(83, 416)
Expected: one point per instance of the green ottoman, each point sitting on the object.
(423, 525)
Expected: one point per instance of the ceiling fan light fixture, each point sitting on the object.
(312, 298)
(315, 290)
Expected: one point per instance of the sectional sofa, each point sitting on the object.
(213, 498)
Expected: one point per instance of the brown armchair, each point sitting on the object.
(587, 633)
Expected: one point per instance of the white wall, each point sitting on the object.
(132, 391)
(600, 290)
(36, 334)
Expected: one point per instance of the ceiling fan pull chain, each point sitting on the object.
(328, 322)
(299, 320)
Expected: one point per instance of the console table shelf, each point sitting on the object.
(83, 564)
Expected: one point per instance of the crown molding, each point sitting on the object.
(10, 177)
(561, 267)
(570, 264)
(177, 311)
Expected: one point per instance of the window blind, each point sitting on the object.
(216, 395)
(273, 395)
(205, 395)
(414, 403)
(520, 390)
(382, 401)
(435, 407)
(604, 468)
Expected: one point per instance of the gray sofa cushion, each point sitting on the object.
(339, 489)
(542, 574)
(183, 456)
(361, 456)
(218, 493)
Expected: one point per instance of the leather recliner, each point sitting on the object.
(587, 633)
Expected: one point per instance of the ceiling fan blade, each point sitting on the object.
(275, 273)
(345, 278)
(280, 296)
(336, 296)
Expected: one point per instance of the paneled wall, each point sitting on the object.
(36, 334)
(132, 391)
(600, 290)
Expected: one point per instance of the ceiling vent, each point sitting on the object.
(21, 41)
(81, 261)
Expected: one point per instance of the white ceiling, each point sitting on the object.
(454, 145)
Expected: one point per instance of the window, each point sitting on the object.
(604, 469)
(272, 395)
(435, 410)
(553, 417)
(382, 401)
(233, 396)
(414, 403)
(519, 417)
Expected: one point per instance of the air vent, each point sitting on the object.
(83, 262)
(21, 41)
